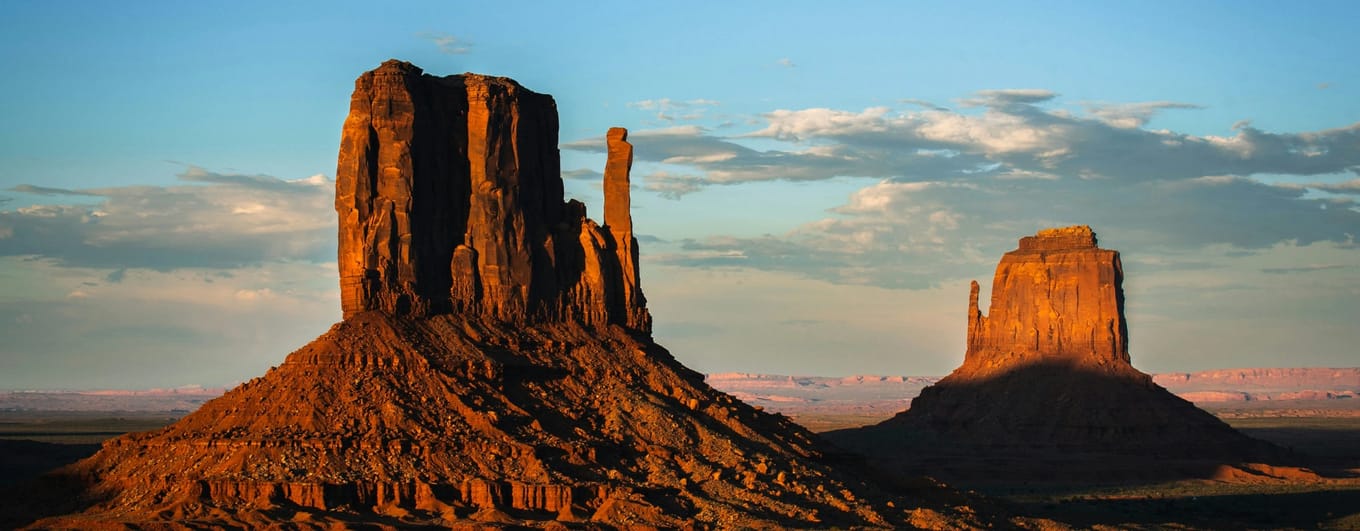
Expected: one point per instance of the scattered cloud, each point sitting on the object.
(44, 190)
(1345, 187)
(923, 104)
(1011, 136)
(212, 220)
(668, 110)
(448, 44)
(1005, 98)
(952, 189)
(918, 234)
(583, 174)
(1303, 269)
(1132, 115)
(671, 186)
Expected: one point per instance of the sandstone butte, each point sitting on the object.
(1047, 370)
(494, 367)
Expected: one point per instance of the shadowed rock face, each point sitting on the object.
(450, 201)
(492, 367)
(1048, 370)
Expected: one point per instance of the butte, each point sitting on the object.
(1046, 384)
(494, 367)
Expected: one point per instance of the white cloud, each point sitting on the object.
(671, 186)
(1010, 136)
(1132, 115)
(669, 111)
(1008, 97)
(447, 44)
(808, 123)
(214, 220)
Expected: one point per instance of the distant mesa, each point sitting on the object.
(1047, 369)
(494, 367)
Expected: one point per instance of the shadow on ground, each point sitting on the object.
(29, 471)
(1338, 509)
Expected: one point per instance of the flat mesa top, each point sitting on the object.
(1060, 239)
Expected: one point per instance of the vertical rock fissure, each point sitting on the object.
(1052, 298)
(450, 199)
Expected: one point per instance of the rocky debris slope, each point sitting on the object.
(494, 367)
(1048, 370)
(445, 419)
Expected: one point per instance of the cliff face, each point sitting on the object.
(450, 201)
(1056, 297)
(489, 371)
(1047, 370)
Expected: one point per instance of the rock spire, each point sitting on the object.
(450, 199)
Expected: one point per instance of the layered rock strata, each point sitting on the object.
(1048, 369)
(493, 368)
(450, 201)
(1056, 297)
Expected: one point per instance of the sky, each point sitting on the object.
(815, 182)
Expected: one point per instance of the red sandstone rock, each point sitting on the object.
(1047, 369)
(489, 368)
(450, 200)
(1057, 296)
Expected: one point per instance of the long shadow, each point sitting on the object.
(34, 483)
(1054, 421)
(1302, 510)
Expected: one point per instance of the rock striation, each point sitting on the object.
(450, 199)
(1047, 370)
(1058, 296)
(494, 367)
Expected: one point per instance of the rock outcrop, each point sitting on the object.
(1056, 297)
(1048, 370)
(450, 199)
(493, 368)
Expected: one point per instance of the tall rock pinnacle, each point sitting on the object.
(618, 220)
(450, 200)
(1057, 296)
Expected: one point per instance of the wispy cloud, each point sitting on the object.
(583, 174)
(956, 187)
(44, 190)
(1303, 269)
(671, 186)
(669, 110)
(448, 44)
(213, 220)
(786, 63)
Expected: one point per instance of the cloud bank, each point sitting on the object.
(214, 220)
(951, 187)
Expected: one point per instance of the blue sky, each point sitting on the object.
(818, 182)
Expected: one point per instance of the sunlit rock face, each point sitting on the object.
(1047, 370)
(450, 200)
(1058, 296)
(493, 369)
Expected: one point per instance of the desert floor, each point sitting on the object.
(1325, 433)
